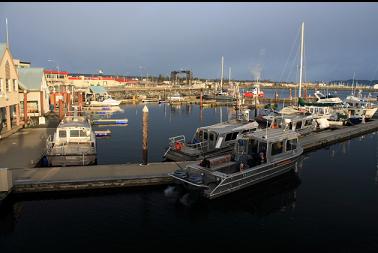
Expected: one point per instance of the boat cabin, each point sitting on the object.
(209, 139)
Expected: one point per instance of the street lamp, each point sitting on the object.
(57, 67)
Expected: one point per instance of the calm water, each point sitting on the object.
(329, 205)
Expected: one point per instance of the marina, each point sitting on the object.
(162, 125)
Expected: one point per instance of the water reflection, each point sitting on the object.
(274, 195)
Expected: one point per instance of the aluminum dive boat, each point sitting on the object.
(257, 157)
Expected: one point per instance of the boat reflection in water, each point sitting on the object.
(275, 195)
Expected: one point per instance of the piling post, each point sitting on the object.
(145, 135)
(201, 99)
(68, 100)
(41, 97)
(80, 100)
(255, 105)
(61, 109)
(25, 107)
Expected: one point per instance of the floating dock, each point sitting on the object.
(127, 175)
(110, 121)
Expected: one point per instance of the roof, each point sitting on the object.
(98, 90)
(47, 71)
(273, 134)
(229, 126)
(3, 46)
(30, 78)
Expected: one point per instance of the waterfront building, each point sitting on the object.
(56, 80)
(33, 82)
(82, 81)
(9, 99)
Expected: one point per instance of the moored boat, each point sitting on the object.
(73, 143)
(257, 156)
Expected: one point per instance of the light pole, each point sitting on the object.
(57, 67)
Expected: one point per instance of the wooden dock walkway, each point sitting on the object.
(128, 175)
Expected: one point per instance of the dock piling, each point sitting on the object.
(145, 135)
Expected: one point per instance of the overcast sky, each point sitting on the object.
(156, 38)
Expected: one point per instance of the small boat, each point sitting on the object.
(303, 123)
(98, 96)
(176, 97)
(255, 92)
(208, 141)
(257, 156)
(74, 143)
(103, 133)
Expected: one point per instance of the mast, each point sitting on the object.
(354, 73)
(6, 26)
(301, 66)
(229, 75)
(221, 82)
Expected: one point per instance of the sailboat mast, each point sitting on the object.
(229, 75)
(221, 82)
(301, 66)
(354, 73)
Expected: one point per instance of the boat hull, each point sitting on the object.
(71, 160)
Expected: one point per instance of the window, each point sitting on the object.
(62, 134)
(15, 88)
(308, 122)
(277, 148)
(1, 85)
(234, 135)
(74, 133)
(212, 136)
(291, 144)
(205, 136)
(252, 146)
(228, 137)
(7, 86)
(298, 125)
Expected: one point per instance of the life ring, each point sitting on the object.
(178, 145)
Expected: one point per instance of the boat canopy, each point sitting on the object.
(98, 90)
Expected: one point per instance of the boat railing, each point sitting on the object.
(62, 148)
(180, 140)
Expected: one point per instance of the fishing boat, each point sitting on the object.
(73, 143)
(257, 156)
(208, 141)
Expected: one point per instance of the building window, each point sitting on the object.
(15, 85)
(1, 85)
(7, 86)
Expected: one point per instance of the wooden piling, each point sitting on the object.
(145, 135)
(25, 107)
(41, 97)
(201, 99)
(61, 109)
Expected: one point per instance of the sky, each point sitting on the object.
(257, 40)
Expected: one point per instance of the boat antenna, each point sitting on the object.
(221, 81)
(354, 73)
(301, 66)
